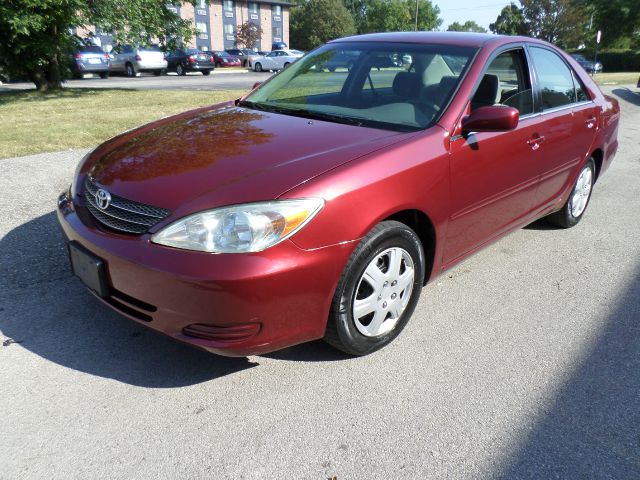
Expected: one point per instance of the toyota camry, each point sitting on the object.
(320, 204)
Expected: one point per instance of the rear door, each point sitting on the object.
(570, 124)
(494, 175)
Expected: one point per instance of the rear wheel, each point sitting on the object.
(206, 72)
(378, 290)
(218, 64)
(157, 73)
(258, 67)
(104, 75)
(180, 70)
(573, 210)
(129, 70)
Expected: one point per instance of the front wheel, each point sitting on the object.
(258, 67)
(206, 72)
(180, 70)
(286, 64)
(573, 210)
(378, 290)
(104, 75)
(130, 71)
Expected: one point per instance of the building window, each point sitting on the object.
(229, 31)
(277, 34)
(202, 30)
(202, 4)
(277, 10)
(253, 11)
(228, 5)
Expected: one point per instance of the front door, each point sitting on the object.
(494, 175)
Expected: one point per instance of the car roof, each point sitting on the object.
(462, 39)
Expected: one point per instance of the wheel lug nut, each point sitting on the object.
(393, 296)
(379, 297)
(394, 283)
(385, 284)
(384, 305)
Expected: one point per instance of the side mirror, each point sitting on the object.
(495, 118)
(256, 85)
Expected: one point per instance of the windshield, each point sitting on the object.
(385, 85)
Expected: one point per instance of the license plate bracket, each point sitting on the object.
(91, 270)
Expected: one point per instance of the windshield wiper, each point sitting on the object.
(302, 112)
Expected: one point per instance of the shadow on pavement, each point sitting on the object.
(46, 310)
(593, 429)
(628, 95)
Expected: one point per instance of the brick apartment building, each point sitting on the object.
(218, 20)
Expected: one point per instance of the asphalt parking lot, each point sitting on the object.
(521, 362)
(220, 79)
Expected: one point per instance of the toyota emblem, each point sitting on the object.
(103, 199)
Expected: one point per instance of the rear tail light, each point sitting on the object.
(192, 58)
(77, 55)
(138, 58)
(213, 59)
(106, 56)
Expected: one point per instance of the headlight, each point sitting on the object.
(252, 227)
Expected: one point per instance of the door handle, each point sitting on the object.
(535, 142)
(590, 122)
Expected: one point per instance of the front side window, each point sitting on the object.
(506, 82)
(400, 87)
(554, 78)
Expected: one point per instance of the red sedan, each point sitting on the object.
(224, 59)
(320, 204)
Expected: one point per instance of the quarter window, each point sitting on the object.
(555, 79)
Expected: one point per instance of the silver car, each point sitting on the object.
(131, 60)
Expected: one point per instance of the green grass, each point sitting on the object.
(33, 122)
(620, 78)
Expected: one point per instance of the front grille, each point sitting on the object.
(122, 215)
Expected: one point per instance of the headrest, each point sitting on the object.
(487, 91)
(407, 84)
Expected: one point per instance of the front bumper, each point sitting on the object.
(279, 297)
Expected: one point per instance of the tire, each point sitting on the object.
(157, 73)
(332, 69)
(206, 72)
(180, 70)
(218, 65)
(573, 210)
(130, 70)
(104, 75)
(286, 65)
(391, 308)
(258, 67)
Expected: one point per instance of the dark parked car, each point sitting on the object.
(279, 46)
(90, 59)
(225, 59)
(588, 65)
(241, 53)
(318, 206)
(190, 60)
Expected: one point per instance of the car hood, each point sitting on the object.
(225, 155)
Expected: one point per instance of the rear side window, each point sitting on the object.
(555, 79)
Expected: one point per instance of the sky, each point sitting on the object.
(482, 12)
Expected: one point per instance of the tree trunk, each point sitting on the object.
(47, 78)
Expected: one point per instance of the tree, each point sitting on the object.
(468, 26)
(318, 21)
(563, 22)
(36, 35)
(510, 22)
(248, 34)
(619, 21)
(399, 15)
